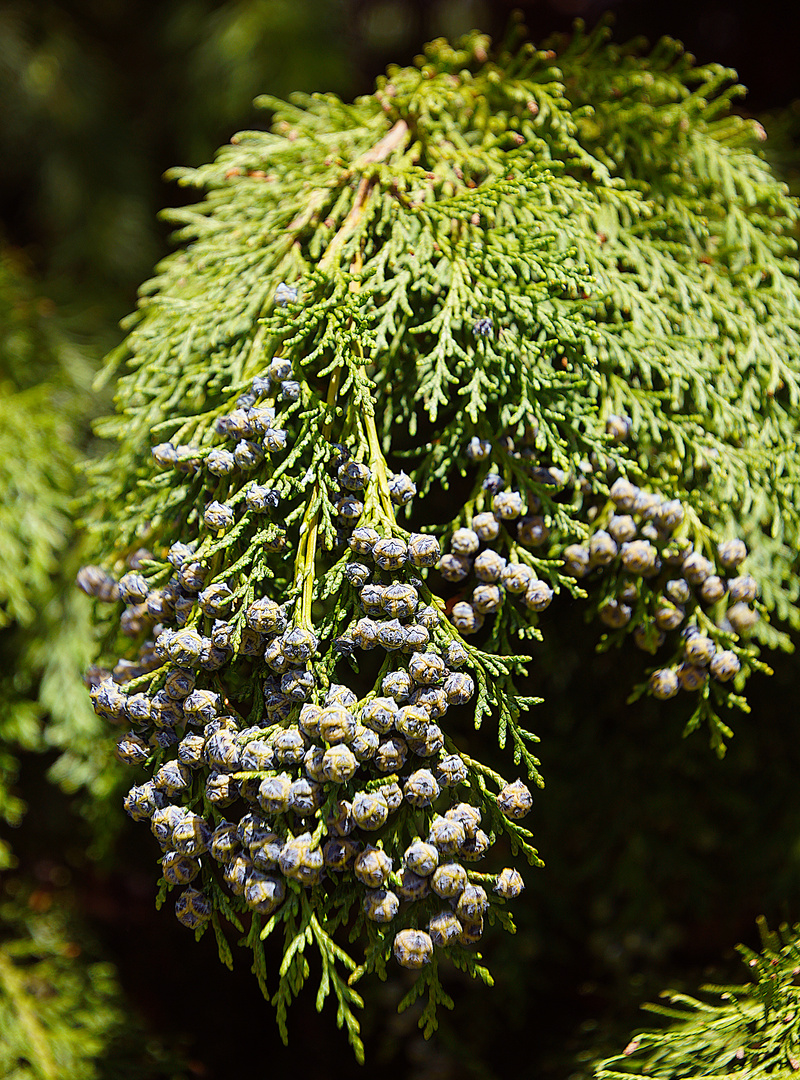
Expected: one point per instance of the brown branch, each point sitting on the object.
(391, 141)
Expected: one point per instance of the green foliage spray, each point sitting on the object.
(512, 330)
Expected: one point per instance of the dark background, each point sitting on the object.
(659, 857)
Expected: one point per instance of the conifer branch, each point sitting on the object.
(498, 292)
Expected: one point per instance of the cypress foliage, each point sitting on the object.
(45, 626)
(512, 329)
(62, 1012)
(747, 1030)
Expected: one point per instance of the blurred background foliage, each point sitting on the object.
(659, 856)
(62, 1011)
